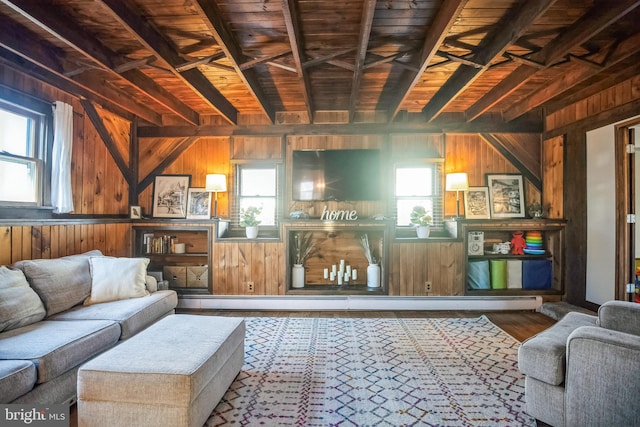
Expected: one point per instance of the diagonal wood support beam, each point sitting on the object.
(577, 75)
(368, 11)
(212, 16)
(444, 20)
(526, 172)
(50, 63)
(292, 21)
(591, 24)
(172, 157)
(506, 32)
(129, 17)
(97, 122)
(78, 39)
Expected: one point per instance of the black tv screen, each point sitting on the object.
(336, 175)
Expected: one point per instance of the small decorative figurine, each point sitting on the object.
(518, 243)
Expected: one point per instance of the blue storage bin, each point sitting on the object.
(536, 274)
(478, 275)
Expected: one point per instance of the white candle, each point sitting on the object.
(342, 263)
(332, 276)
(333, 269)
(346, 277)
(348, 270)
(354, 274)
(339, 279)
(326, 273)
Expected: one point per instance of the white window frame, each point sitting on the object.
(437, 196)
(36, 152)
(238, 196)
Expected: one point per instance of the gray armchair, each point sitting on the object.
(583, 371)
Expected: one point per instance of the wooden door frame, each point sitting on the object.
(625, 197)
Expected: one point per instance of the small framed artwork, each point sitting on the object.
(135, 212)
(170, 196)
(476, 203)
(199, 204)
(506, 195)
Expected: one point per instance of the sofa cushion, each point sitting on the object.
(17, 377)
(543, 356)
(622, 316)
(61, 283)
(133, 315)
(19, 304)
(56, 347)
(114, 279)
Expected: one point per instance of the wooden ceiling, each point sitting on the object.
(207, 61)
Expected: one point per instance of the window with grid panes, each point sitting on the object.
(418, 183)
(257, 185)
(22, 155)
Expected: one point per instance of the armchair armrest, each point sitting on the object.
(602, 385)
(620, 316)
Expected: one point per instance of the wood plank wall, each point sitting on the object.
(18, 242)
(100, 189)
(566, 135)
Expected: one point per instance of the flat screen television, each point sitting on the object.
(321, 175)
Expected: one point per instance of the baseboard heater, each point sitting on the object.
(360, 303)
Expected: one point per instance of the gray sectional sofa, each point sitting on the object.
(56, 314)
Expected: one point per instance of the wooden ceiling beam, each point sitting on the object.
(522, 125)
(212, 17)
(87, 45)
(366, 22)
(438, 30)
(129, 17)
(296, 40)
(620, 75)
(507, 31)
(573, 77)
(592, 23)
(50, 59)
(91, 48)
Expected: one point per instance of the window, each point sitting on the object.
(257, 185)
(418, 183)
(21, 155)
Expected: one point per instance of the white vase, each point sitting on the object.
(373, 276)
(252, 231)
(423, 231)
(297, 276)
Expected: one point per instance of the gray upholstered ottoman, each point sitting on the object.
(171, 374)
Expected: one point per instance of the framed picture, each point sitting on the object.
(506, 195)
(476, 203)
(199, 204)
(170, 196)
(135, 212)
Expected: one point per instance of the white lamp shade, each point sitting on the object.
(457, 181)
(216, 182)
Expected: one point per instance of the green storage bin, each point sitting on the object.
(498, 274)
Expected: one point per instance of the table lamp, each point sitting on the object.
(457, 182)
(216, 182)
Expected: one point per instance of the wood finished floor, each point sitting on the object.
(519, 324)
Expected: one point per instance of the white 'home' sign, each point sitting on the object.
(338, 215)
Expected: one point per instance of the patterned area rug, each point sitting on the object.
(375, 372)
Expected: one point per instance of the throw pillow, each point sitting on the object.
(19, 304)
(114, 279)
(151, 284)
(61, 283)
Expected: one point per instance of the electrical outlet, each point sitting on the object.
(428, 286)
(249, 286)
